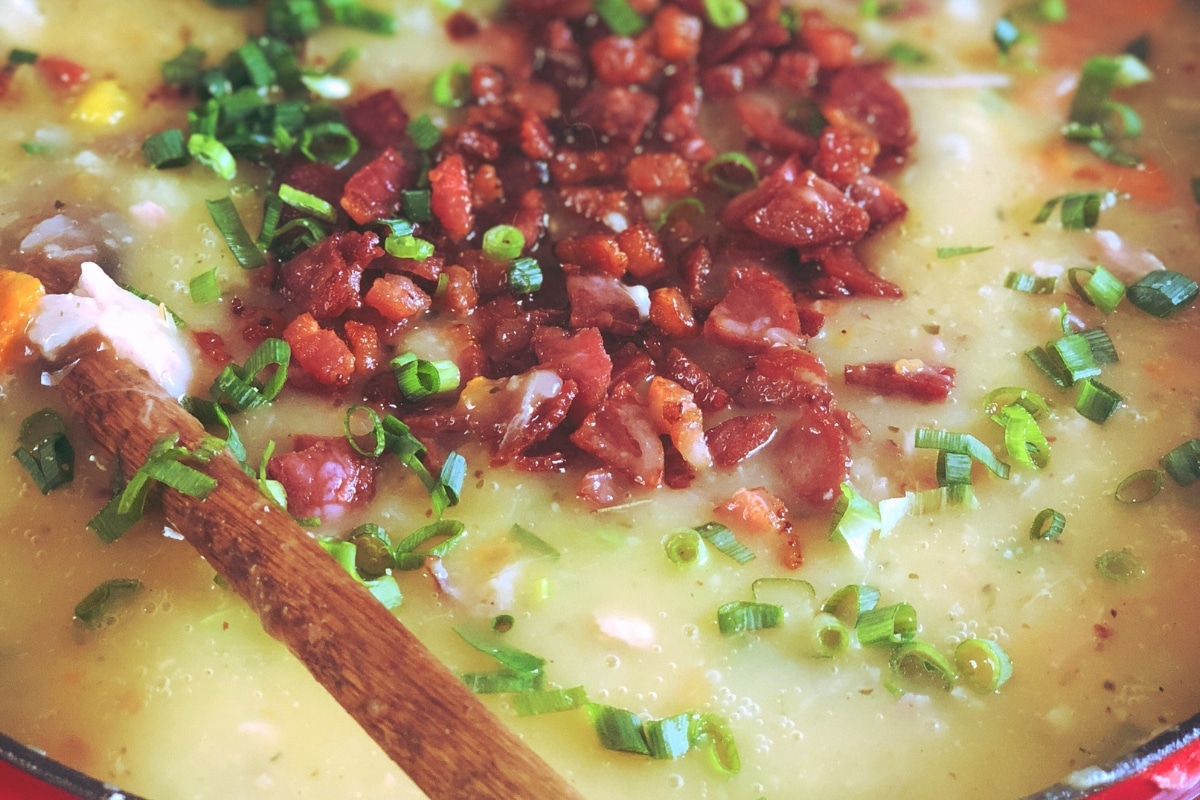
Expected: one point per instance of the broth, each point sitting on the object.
(184, 696)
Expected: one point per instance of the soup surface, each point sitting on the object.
(180, 693)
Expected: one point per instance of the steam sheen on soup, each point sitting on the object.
(180, 693)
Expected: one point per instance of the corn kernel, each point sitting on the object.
(105, 103)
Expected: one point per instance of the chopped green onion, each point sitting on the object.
(620, 17)
(184, 69)
(45, 451)
(225, 216)
(384, 589)
(1023, 438)
(409, 247)
(352, 426)
(451, 477)
(1047, 525)
(1051, 367)
(1163, 293)
(450, 87)
(1073, 353)
(685, 547)
(373, 551)
(203, 288)
(887, 625)
(1030, 284)
(1121, 566)
(854, 520)
(953, 469)
(724, 541)
(502, 681)
(406, 555)
(1140, 487)
(549, 701)
(354, 14)
(983, 664)
(166, 149)
(94, 610)
(742, 616)
(1097, 401)
(1080, 210)
(1195, 185)
(308, 203)
(1183, 462)
(524, 276)
(920, 666)
(961, 443)
(618, 729)
(851, 602)
(718, 167)
(905, 53)
(712, 730)
(211, 413)
(19, 55)
(1096, 118)
(668, 738)
(528, 539)
(965, 250)
(503, 242)
(423, 132)
(509, 657)
(928, 501)
(415, 203)
(330, 142)
(258, 67)
(830, 636)
(1031, 401)
(726, 13)
(418, 378)
(674, 208)
(210, 152)
(271, 489)
(796, 596)
(1102, 289)
(503, 623)
(241, 387)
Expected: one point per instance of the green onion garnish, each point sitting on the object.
(854, 520)
(212, 153)
(620, 17)
(927, 501)
(1023, 438)
(203, 288)
(1080, 210)
(242, 388)
(964, 250)
(668, 738)
(1073, 353)
(512, 659)
(528, 539)
(961, 443)
(851, 602)
(742, 616)
(1101, 289)
(502, 681)
(308, 203)
(1121, 566)
(726, 13)
(1183, 462)
(905, 53)
(618, 729)
(423, 132)
(384, 588)
(887, 625)
(830, 636)
(713, 730)
(503, 242)
(1031, 401)
(920, 666)
(450, 87)
(717, 168)
(953, 469)
(549, 701)
(224, 214)
(211, 413)
(373, 550)
(1163, 293)
(724, 541)
(94, 610)
(408, 247)
(45, 451)
(418, 378)
(166, 149)
(1097, 401)
(983, 664)
(1050, 367)
(415, 203)
(1047, 525)
(674, 208)
(685, 547)
(524, 276)
(1094, 117)
(330, 142)
(408, 557)
(1030, 284)
(1140, 487)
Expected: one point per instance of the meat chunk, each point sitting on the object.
(323, 477)
(325, 279)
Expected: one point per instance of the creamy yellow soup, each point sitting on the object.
(182, 694)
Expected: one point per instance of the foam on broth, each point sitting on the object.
(184, 696)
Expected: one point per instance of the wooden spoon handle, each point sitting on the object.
(420, 714)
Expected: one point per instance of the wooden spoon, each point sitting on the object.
(422, 716)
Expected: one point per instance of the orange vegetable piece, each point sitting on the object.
(19, 294)
(320, 352)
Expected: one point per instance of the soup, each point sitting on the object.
(180, 693)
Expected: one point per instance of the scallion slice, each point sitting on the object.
(373, 551)
(726, 13)
(415, 203)
(961, 443)
(524, 276)
(962, 250)
(713, 731)
(685, 547)
(953, 469)
(1031, 401)
(887, 625)
(362, 424)
(1047, 525)
(676, 207)
(384, 589)
(166, 149)
(983, 664)
(850, 602)
(854, 520)
(1030, 284)
(1100, 288)
(718, 169)
(423, 132)
(531, 541)
(211, 413)
(330, 142)
(1080, 210)
(242, 387)
(724, 541)
(742, 616)
(418, 378)
(45, 451)
(1182, 463)
(549, 701)
(1096, 401)
(1163, 293)
(503, 242)
(922, 667)
(510, 658)
(927, 501)
(95, 610)
(618, 729)
(409, 247)
(225, 216)
(1140, 487)
(829, 636)
(204, 288)
(406, 555)
(1121, 566)
(620, 17)
(308, 203)
(1050, 367)
(500, 681)
(450, 87)
(1023, 438)
(212, 153)
(668, 738)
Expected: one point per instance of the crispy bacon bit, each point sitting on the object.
(450, 197)
(616, 112)
(660, 173)
(460, 296)
(324, 280)
(737, 438)
(601, 301)
(674, 410)
(363, 340)
(691, 376)
(396, 297)
(319, 352)
(641, 246)
(671, 313)
(517, 412)
(622, 61)
(598, 253)
(784, 376)
(374, 191)
(324, 477)
(815, 457)
(757, 511)
(378, 120)
(757, 313)
(623, 436)
(805, 211)
(864, 95)
(907, 377)
(578, 356)
(212, 347)
(848, 275)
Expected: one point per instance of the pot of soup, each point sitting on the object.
(732, 398)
